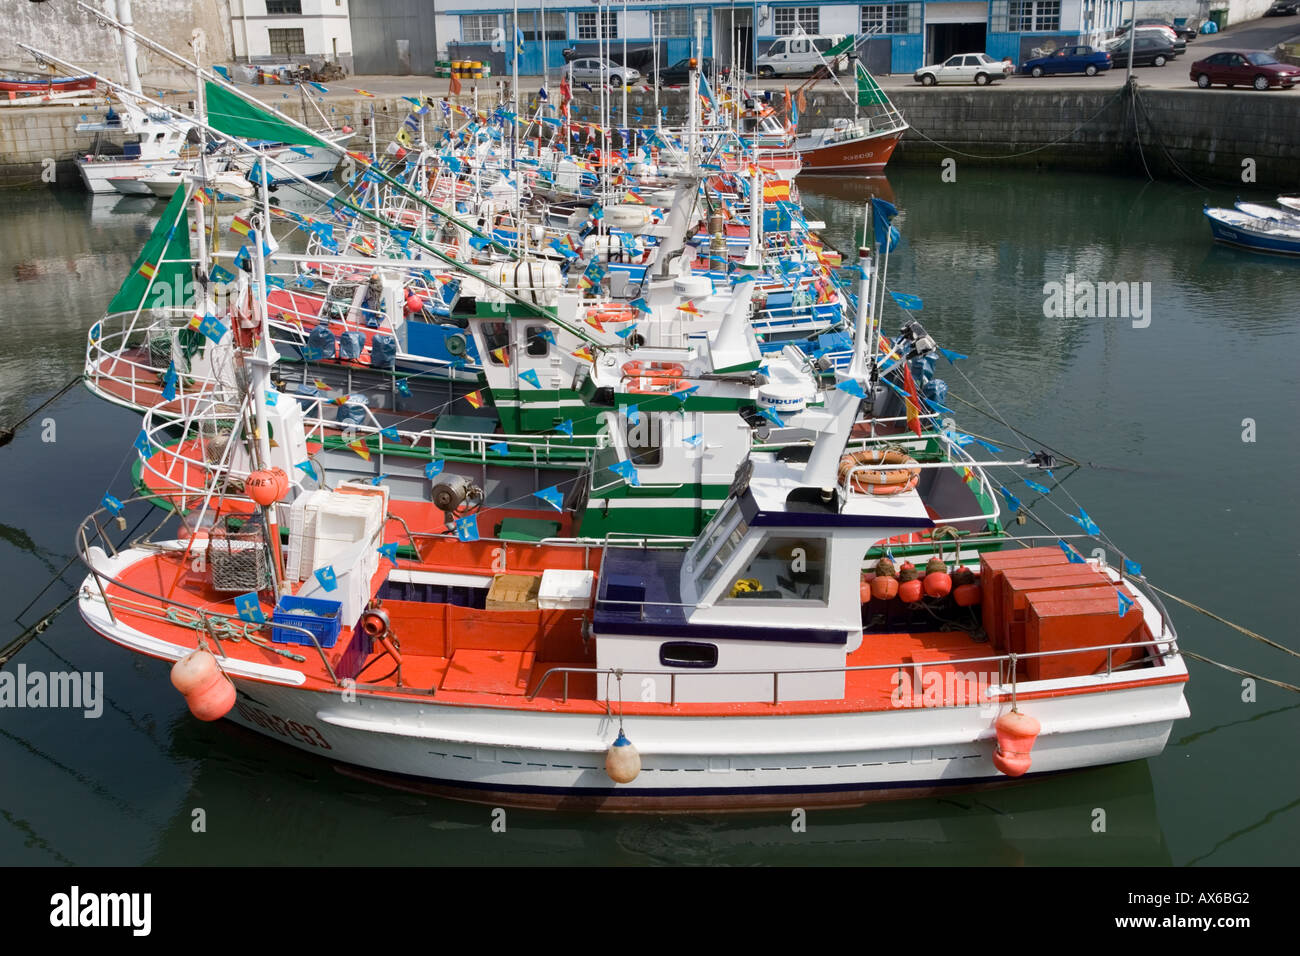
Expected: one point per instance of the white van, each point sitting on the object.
(800, 55)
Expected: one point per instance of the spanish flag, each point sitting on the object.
(148, 270)
(501, 355)
(584, 353)
(324, 387)
(364, 93)
(475, 399)
(913, 401)
(241, 226)
(634, 197)
(776, 189)
(361, 448)
(689, 307)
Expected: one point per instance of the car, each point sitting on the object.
(591, 69)
(977, 68)
(1283, 8)
(1148, 51)
(1068, 59)
(680, 71)
(1158, 30)
(805, 53)
(1244, 68)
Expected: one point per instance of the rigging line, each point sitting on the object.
(1137, 132)
(1012, 428)
(1236, 627)
(7, 433)
(1105, 106)
(1237, 670)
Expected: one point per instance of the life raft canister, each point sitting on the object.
(892, 482)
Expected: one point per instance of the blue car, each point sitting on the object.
(1068, 59)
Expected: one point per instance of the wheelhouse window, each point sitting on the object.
(788, 21)
(538, 345)
(717, 543)
(496, 336)
(286, 42)
(783, 569)
(478, 28)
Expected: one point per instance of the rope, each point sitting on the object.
(7, 434)
(1235, 627)
(223, 629)
(1238, 670)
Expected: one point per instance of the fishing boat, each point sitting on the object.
(1236, 228)
(860, 145)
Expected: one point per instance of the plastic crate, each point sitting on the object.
(321, 618)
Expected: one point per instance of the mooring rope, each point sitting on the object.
(1237, 670)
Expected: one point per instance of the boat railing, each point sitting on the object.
(211, 624)
(1162, 648)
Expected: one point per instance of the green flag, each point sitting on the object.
(161, 260)
(234, 116)
(869, 91)
(842, 47)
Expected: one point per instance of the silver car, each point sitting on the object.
(591, 69)
(977, 68)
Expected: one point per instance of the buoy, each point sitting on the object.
(937, 580)
(622, 762)
(968, 595)
(864, 586)
(884, 587)
(1016, 734)
(281, 483)
(414, 304)
(910, 592)
(207, 692)
(262, 487)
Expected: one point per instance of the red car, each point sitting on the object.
(1244, 68)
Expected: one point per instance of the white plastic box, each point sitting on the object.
(562, 590)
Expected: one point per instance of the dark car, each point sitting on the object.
(1283, 8)
(679, 72)
(1069, 59)
(1244, 68)
(1148, 52)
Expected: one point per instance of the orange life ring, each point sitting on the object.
(611, 312)
(648, 385)
(881, 482)
(664, 370)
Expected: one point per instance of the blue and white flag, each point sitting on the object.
(851, 386)
(627, 471)
(911, 303)
(1133, 568)
(1012, 501)
(249, 608)
(1124, 603)
(565, 427)
(530, 376)
(552, 497)
(467, 528)
(389, 551)
(500, 448)
(327, 578)
(434, 468)
(1070, 554)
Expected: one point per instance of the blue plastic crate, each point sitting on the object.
(321, 618)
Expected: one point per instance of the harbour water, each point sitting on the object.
(1155, 404)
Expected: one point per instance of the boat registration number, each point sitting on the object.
(289, 729)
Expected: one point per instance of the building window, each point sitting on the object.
(888, 18)
(532, 25)
(286, 42)
(1034, 15)
(587, 26)
(672, 23)
(478, 28)
(283, 8)
(793, 20)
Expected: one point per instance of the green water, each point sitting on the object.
(1157, 410)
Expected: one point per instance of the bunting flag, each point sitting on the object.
(627, 471)
(327, 578)
(688, 307)
(530, 376)
(475, 399)
(111, 504)
(249, 608)
(403, 388)
(220, 275)
(772, 416)
(211, 327)
(1012, 501)
(143, 445)
(694, 440)
(455, 84)
(434, 468)
(882, 212)
(852, 387)
(1124, 602)
(241, 226)
(624, 333)
(148, 270)
(502, 355)
(633, 415)
(1133, 568)
(361, 448)
(390, 434)
(389, 551)
(565, 427)
(467, 528)
(776, 189)
(584, 353)
(913, 401)
(552, 497)
(951, 356)
(1087, 523)
(365, 93)
(1035, 486)
(306, 468)
(169, 382)
(1071, 555)
(499, 448)
(378, 479)
(912, 303)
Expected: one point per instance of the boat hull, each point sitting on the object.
(547, 759)
(867, 155)
(1256, 242)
